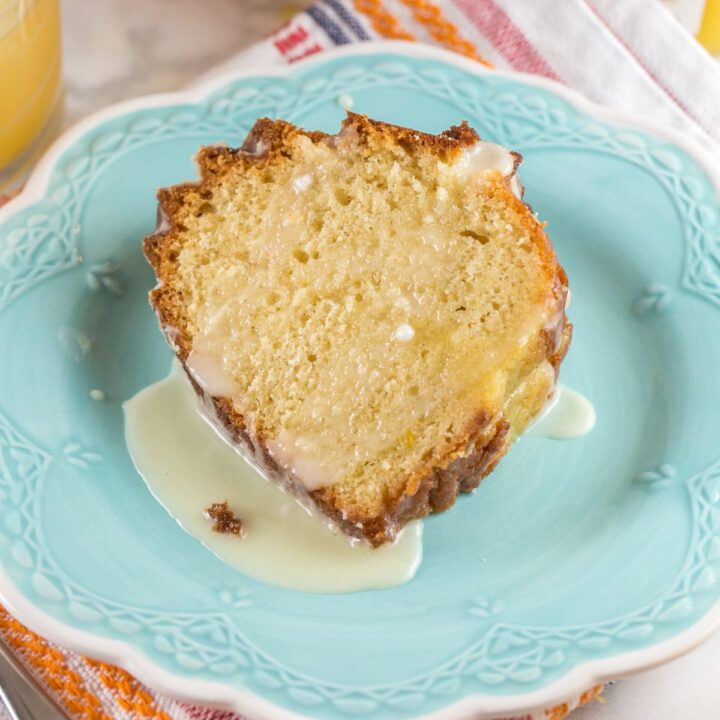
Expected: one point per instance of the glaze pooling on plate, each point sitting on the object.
(188, 467)
(614, 574)
(568, 415)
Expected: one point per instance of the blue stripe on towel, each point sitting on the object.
(331, 28)
(348, 18)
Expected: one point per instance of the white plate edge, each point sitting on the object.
(574, 682)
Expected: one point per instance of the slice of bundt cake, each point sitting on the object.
(372, 317)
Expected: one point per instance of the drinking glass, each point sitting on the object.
(30, 87)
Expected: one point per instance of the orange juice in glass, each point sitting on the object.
(709, 33)
(30, 89)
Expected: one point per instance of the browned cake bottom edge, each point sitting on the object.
(436, 492)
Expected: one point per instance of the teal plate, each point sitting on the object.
(574, 562)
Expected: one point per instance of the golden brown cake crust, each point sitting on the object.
(478, 447)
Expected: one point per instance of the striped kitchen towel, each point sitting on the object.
(632, 55)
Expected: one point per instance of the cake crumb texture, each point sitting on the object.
(224, 519)
(381, 320)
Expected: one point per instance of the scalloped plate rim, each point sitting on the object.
(575, 681)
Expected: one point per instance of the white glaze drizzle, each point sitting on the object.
(566, 416)
(209, 374)
(302, 183)
(188, 467)
(404, 333)
(485, 156)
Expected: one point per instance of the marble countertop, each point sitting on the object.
(115, 50)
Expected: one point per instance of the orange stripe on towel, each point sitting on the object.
(560, 712)
(50, 667)
(127, 692)
(441, 29)
(68, 687)
(383, 21)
